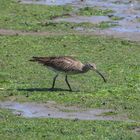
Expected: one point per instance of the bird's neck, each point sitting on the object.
(85, 68)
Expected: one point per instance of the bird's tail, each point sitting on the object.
(36, 59)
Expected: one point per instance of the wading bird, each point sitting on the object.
(66, 65)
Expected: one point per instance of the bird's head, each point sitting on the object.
(92, 66)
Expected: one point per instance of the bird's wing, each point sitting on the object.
(66, 64)
(62, 63)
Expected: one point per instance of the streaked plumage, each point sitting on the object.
(67, 65)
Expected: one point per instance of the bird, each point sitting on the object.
(66, 65)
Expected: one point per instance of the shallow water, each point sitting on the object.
(49, 2)
(128, 10)
(81, 19)
(53, 110)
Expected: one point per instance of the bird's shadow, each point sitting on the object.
(44, 89)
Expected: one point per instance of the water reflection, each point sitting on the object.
(49, 2)
(128, 10)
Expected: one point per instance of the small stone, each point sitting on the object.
(76, 119)
(18, 114)
(103, 103)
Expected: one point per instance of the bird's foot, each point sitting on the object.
(51, 89)
(70, 90)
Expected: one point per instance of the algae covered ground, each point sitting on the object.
(25, 81)
(27, 17)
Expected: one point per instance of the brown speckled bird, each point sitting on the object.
(66, 65)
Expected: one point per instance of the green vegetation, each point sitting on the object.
(39, 18)
(28, 17)
(138, 20)
(25, 81)
(12, 128)
(69, 26)
(119, 61)
(92, 11)
(105, 24)
(116, 18)
(110, 113)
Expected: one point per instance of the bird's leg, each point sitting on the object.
(54, 79)
(68, 83)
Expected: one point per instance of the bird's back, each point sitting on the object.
(65, 64)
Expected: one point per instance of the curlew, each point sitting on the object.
(66, 65)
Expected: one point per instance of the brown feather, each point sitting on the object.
(65, 64)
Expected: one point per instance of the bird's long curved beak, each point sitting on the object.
(100, 75)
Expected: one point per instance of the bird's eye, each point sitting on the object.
(91, 66)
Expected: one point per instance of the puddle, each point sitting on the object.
(136, 130)
(48, 2)
(81, 19)
(53, 110)
(128, 10)
(132, 36)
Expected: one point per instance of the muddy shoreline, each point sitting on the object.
(129, 12)
(109, 33)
